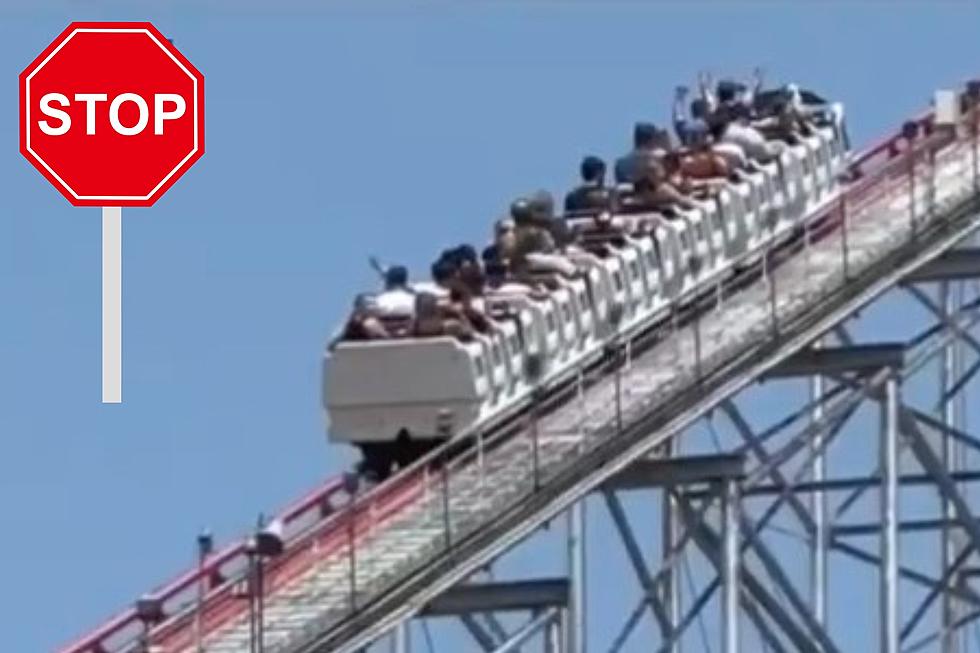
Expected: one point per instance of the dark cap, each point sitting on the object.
(728, 89)
(465, 253)
(644, 133)
(442, 271)
(593, 168)
(395, 276)
(973, 89)
(522, 211)
(489, 254)
(699, 108)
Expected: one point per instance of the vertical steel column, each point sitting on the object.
(576, 574)
(253, 633)
(618, 382)
(260, 604)
(563, 641)
(771, 280)
(670, 535)
(401, 637)
(958, 454)
(947, 552)
(888, 601)
(818, 560)
(535, 443)
(205, 546)
(973, 92)
(552, 635)
(730, 566)
(911, 130)
(843, 236)
(975, 137)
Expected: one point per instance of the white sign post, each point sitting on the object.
(136, 127)
(112, 305)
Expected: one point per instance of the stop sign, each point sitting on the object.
(111, 114)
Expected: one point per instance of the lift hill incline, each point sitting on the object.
(350, 570)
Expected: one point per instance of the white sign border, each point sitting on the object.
(109, 198)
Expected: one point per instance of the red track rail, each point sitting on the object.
(324, 523)
(214, 572)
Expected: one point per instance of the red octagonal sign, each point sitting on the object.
(112, 114)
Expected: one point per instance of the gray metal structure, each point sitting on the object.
(861, 470)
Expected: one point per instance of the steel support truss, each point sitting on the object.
(813, 402)
(847, 506)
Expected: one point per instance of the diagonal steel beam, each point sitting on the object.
(631, 622)
(929, 639)
(696, 607)
(904, 526)
(558, 596)
(481, 636)
(934, 593)
(787, 490)
(528, 630)
(928, 420)
(843, 336)
(748, 605)
(775, 571)
(752, 532)
(949, 324)
(844, 483)
(762, 627)
(859, 492)
(710, 544)
(747, 434)
(965, 377)
(806, 411)
(762, 523)
(934, 467)
(841, 409)
(964, 319)
(639, 564)
(784, 494)
(917, 577)
(956, 434)
(945, 318)
(673, 556)
(831, 418)
(946, 321)
(494, 626)
(833, 421)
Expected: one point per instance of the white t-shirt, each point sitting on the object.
(511, 288)
(751, 140)
(733, 154)
(430, 287)
(395, 302)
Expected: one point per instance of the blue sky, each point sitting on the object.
(334, 131)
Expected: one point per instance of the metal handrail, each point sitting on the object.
(329, 534)
(883, 172)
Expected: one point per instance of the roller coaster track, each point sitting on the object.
(354, 565)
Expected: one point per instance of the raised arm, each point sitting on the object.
(705, 83)
(678, 114)
(755, 86)
(679, 110)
